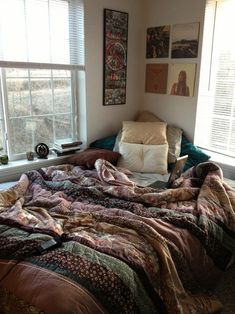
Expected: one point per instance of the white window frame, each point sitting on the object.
(4, 101)
(75, 70)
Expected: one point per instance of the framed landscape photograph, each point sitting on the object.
(115, 57)
(185, 40)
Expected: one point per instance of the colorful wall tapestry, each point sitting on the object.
(115, 57)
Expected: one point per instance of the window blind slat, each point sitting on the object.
(42, 31)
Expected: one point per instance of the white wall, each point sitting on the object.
(106, 120)
(177, 110)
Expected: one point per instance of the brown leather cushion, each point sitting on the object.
(88, 157)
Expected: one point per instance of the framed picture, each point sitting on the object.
(185, 40)
(181, 79)
(156, 78)
(115, 57)
(157, 42)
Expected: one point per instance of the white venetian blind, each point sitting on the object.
(215, 124)
(42, 32)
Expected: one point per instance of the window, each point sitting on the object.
(42, 62)
(215, 123)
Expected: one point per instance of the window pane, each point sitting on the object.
(63, 127)
(1, 126)
(13, 42)
(38, 32)
(18, 97)
(48, 31)
(62, 95)
(21, 136)
(40, 73)
(41, 96)
(1, 133)
(219, 133)
(61, 73)
(216, 100)
(59, 31)
(27, 132)
(44, 131)
(232, 142)
(17, 73)
(40, 106)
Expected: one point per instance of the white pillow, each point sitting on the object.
(143, 158)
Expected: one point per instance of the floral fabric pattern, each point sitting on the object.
(122, 243)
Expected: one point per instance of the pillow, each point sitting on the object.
(88, 157)
(173, 135)
(117, 141)
(105, 143)
(147, 133)
(195, 154)
(147, 116)
(143, 158)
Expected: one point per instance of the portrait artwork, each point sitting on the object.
(181, 79)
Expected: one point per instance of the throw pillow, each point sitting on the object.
(195, 154)
(117, 141)
(173, 134)
(148, 133)
(88, 157)
(174, 137)
(143, 158)
(147, 116)
(105, 142)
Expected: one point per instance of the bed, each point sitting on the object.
(119, 245)
(125, 249)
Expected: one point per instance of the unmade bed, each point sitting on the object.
(124, 249)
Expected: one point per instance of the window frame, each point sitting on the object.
(75, 21)
(6, 116)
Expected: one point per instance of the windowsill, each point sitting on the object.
(14, 169)
(221, 158)
(225, 162)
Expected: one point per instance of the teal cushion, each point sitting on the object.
(195, 154)
(105, 143)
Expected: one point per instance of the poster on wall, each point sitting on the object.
(157, 42)
(181, 79)
(115, 57)
(185, 40)
(156, 78)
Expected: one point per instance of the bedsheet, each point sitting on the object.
(125, 249)
(145, 179)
